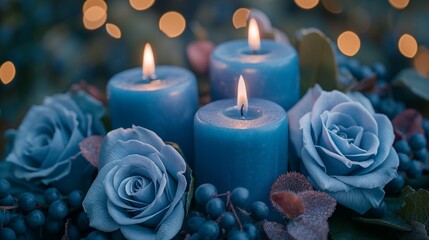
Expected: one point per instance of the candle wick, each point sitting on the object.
(255, 51)
(241, 110)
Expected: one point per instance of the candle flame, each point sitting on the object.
(242, 102)
(148, 62)
(253, 36)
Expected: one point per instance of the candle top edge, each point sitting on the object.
(214, 114)
(166, 77)
(239, 51)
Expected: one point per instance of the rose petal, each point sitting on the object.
(359, 97)
(361, 115)
(341, 165)
(296, 113)
(95, 203)
(169, 158)
(172, 225)
(326, 102)
(358, 199)
(137, 232)
(386, 138)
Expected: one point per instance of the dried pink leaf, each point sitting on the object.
(198, 53)
(294, 182)
(408, 123)
(288, 203)
(90, 89)
(90, 148)
(275, 231)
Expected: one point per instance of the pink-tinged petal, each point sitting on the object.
(90, 148)
(199, 55)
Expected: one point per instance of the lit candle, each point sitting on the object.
(163, 100)
(271, 69)
(240, 142)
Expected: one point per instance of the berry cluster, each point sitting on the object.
(223, 216)
(413, 155)
(51, 216)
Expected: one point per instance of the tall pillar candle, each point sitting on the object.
(271, 69)
(236, 150)
(163, 100)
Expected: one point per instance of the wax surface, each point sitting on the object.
(271, 73)
(232, 152)
(166, 105)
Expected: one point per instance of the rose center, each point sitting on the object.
(337, 130)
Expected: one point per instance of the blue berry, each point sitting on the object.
(7, 201)
(374, 99)
(4, 188)
(195, 236)
(380, 70)
(96, 235)
(58, 210)
(395, 185)
(402, 146)
(27, 201)
(215, 207)
(7, 234)
(421, 154)
(18, 225)
(239, 197)
(75, 199)
(417, 141)
(73, 232)
(4, 217)
(51, 194)
(415, 170)
(35, 219)
(204, 193)
(259, 210)
(209, 230)
(227, 221)
(366, 72)
(82, 221)
(237, 235)
(404, 161)
(377, 212)
(251, 231)
(388, 107)
(53, 226)
(194, 223)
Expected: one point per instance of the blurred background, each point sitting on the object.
(48, 45)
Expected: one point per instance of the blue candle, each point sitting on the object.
(241, 145)
(163, 100)
(271, 69)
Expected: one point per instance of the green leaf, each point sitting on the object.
(416, 208)
(342, 227)
(412, 80)
(317, 60)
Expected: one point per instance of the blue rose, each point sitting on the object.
(46, 150)
(140, 186)
(346, 149)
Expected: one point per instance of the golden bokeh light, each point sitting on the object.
(408, 45)
(7, 72)
(333, 6)
(348, 43)
(421, 61)
(113, 30)
(172, 24)
(239, 19)
(94, 3)
(399, 4)
(141, 5)
(306, 4)
(94, 13)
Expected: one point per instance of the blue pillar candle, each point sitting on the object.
(163, 100)
(239, 147)
(271, 69)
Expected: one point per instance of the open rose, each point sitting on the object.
(346, 150)
(46, 145)
(140, 186)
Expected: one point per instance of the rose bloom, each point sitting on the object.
(346, 148)
(45, 149)
(140, 186)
